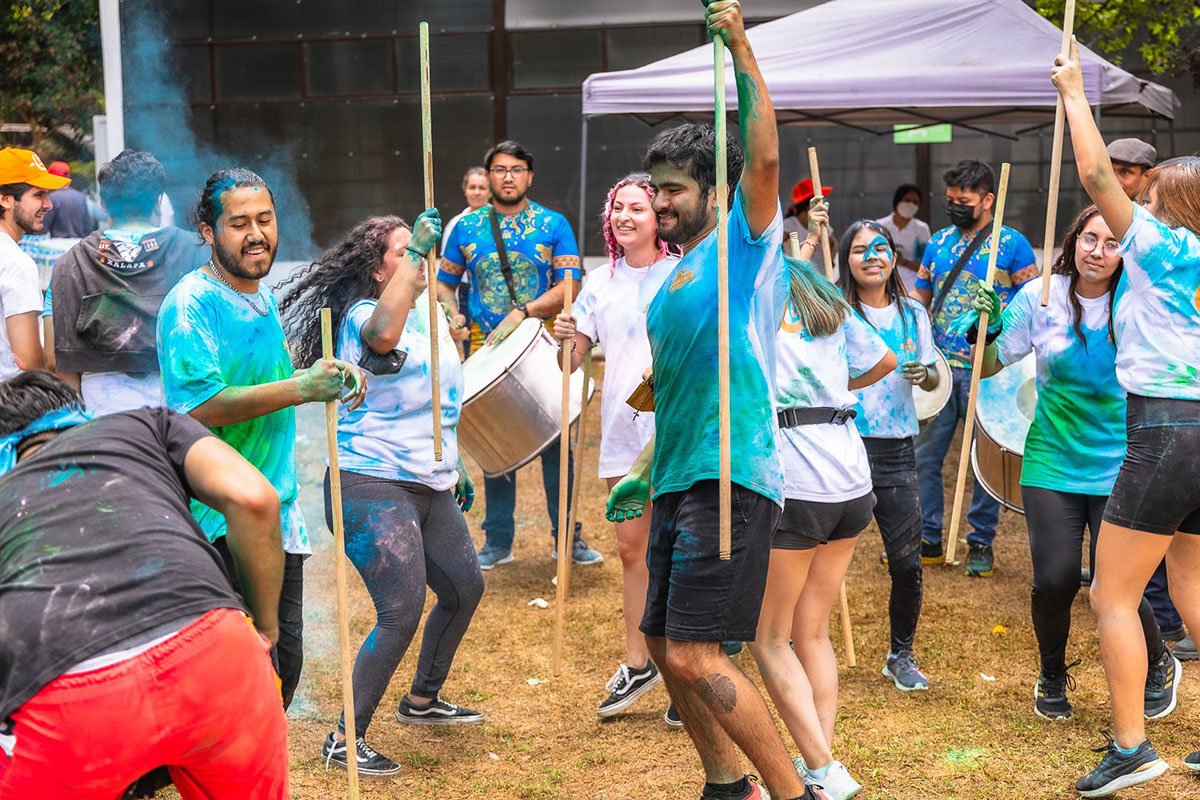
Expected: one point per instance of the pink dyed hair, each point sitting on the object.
(614, 249)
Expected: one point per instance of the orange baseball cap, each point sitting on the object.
(24, 166)
(804, 191)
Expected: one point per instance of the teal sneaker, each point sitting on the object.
(490, 557)
(981, 562)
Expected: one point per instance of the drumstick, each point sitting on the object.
(339, 548)
(564, 458)
(964, 457)
(724, 493)
(583, 409)
(818, 191)
(431, 257)
(847, 634)
(1055, 164)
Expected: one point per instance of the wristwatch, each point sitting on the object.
(521, 307)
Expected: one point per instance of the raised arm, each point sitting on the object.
(383, 330)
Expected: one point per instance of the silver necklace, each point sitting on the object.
(212, 268)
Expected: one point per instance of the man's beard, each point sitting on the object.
(28, 222)
(231, 262)
(688, 225)
(506, 201)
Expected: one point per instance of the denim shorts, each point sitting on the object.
(1158, 488)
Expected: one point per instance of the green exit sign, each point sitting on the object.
(928, 134)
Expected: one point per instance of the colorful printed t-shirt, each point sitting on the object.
(826, 463)
(391, 434)
(611, 310)
(1158, 308)
(1015, 264)
(1076, 442)
(209, 338)
(886, 408)
(682, 328)
(541, 251)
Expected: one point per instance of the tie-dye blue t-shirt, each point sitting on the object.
(391, 434)
(886, 408)
(1076, 442)
(209, 339)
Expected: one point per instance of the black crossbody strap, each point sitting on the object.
(954, 273)
(505, 269)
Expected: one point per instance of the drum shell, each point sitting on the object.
(998, 470)
(1004, 411)
(930, 404)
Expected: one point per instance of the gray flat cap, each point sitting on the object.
(1132, 151)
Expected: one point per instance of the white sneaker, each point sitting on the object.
(834, 779)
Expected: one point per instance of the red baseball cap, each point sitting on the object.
(24, 166)
(60, 168)
(804, 191)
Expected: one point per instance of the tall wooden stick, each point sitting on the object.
(847, 633)
(435, 329)
(819, 191)
(793, 245)
(339, 559)
(1055, 164)
(724, 491)
(565, 537)
(964, 458)
(583, 410)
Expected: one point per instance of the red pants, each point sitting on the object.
(204, 702)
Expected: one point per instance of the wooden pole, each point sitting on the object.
(964, 458)
(583, 410)
(435, 329)
(1055, 164)
(339, 558)
(793, 245)
(819, 191)
(847, 633)
(565, 537)
(724, 491)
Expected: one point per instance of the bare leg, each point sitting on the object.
(1183, 563)
(631, 541)
(1125, 560)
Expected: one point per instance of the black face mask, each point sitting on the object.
(961, 215)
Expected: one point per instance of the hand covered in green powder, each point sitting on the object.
(628, 498)
(506, 326)
(464, 490)
(426, 231)
(325, 379)
(987, 300)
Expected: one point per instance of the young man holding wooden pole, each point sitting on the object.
(710, 599)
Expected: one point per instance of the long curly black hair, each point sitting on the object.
(339, 277)
(1065, 265)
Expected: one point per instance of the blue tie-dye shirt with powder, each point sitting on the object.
(682, 328)
(209, 339)
(886, 408)
(1076, 442)
(1158, 310)
(391, 434)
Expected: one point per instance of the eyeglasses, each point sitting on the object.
(1089, 241)
(516, 172)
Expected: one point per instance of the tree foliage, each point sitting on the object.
(1166, 33)
(50, 64)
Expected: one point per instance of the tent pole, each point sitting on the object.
(583, 159)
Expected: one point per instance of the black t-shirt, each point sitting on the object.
(97, 545)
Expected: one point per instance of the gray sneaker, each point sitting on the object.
(903, 670)
(1185, 649)
(490, 557)
(581, 553)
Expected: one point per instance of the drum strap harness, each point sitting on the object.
(954, 273)
(822, 415)
(505, 269)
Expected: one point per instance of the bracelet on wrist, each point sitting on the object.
(420, 256)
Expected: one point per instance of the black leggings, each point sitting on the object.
(1056, 522)
(898, 515)
(400, 536)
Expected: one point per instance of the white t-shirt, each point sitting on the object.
(910, 243)
(611, 310)
(19, 294)
(1158, 310)
(825, 463)
(114, 392)
(886, 408)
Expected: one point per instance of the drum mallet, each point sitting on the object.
(1055, 164)
(339, 558)
(583, 409)
(847, 633)
(435, 327)
(819, 191)
(565, 536)
(724, 491)
(964, 458)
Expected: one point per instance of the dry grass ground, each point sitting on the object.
(970, 736)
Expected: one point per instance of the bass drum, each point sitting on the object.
(1003, 414)
(512, 399)
(930, 404)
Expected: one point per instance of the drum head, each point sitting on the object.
(485, 366)
(929, 404)
(1006, 402)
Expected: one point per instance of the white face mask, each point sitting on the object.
(907, 209)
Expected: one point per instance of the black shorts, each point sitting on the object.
(694, 596)
(1158, 487)
(808, 523)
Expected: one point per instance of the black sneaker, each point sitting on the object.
(1185, 649)
(981, 562)
(672, 718)
(626, 686)
(369, 762)
(1162, 684)
(931, 553)
(1050, 693)
(437, 712)
(1192, 762)
(1118, 771)
(748, 788)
